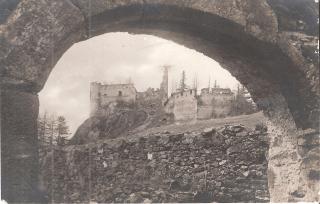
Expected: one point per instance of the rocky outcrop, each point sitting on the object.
(226, 164)
(107, 127)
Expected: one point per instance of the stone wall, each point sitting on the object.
(222, 104)
(215, 165)
(204, 112)
(185, 106)
(214, 105)
(102, 95)
(114, 92)
(188, 106)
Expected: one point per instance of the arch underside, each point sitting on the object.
(261, 66)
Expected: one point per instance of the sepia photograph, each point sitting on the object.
(159, 101)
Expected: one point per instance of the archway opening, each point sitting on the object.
(119, 60)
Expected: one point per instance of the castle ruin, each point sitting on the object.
(211, 103)
(185, 104)
(182, 104)
(104, 95)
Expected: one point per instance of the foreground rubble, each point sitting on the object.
(225, 164)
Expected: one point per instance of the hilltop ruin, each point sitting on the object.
(185, 104)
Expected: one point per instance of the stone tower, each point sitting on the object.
(95, 98)
(164, 84)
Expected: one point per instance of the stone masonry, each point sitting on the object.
(103, 95)
(226, 164)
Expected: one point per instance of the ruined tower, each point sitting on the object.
(164, 84)
(95, 98)
(102, 95)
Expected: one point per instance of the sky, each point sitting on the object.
(116, 57)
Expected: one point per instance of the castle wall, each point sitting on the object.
(205, 112)
(103, 95)
(185, 105)
(206, 99)
(222, 104)
(116, 92)
(212, 105)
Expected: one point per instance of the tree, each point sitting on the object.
(52, 131)
(62, 130)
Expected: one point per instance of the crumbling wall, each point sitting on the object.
(222, 104)
(206, 98)
(185, 108)
(113, 92)
(216, 165)
(205, 106)
(214, 105)
(102, 96)
(204, 112)
(183, 105)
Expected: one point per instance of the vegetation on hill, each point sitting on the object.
(108, 127)
(52, 131)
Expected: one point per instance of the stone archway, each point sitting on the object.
(269, 46)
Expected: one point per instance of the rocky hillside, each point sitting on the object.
(121, 119)
(108, 127)
(217, 164)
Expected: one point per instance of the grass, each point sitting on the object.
(249, 121)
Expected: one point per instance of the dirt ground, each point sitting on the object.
(249, 121)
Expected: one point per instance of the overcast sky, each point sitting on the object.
(114, 58)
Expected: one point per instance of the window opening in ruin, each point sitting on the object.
(120, 93)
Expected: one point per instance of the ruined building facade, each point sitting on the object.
(105, 95)
(215, 102)
(211, 103)
(185, 105)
